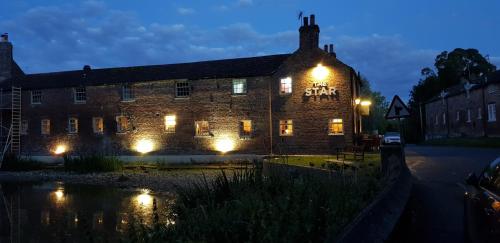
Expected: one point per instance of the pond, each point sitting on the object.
(58, 212)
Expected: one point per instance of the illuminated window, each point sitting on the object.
(80, 95)
(45, 126)
(121, 124)
(73, 125)
(239, 86)
(286, 85)
(245, 128)
(128, 93)
(335, 127)
(98, 125)
(286, 128)
(182, 89)
(468, 115)
(24, 127)
(170, 124)
(492, 112)
(201, 128)
(36, 97)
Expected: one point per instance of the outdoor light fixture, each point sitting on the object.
(144, 146)
(357, 101)
(320, 72)
(60, 149)
(224, 145)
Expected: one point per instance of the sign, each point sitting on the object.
(397, 109)
(321, 88)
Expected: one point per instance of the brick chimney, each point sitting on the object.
(5, 57)
(309, 33)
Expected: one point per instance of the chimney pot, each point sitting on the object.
(86, 68)
(5, 37)
(331, 48)
(313, 20)
(306, 21)
(325, 48)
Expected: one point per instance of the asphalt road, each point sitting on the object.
(434, 212)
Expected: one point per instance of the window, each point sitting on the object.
(98, 125)
(492, 112)
(182, 89)
(73, 125)
(468, 116)
(202, 128)
(80, 95)
(444, 118)
(239, 86)
(24, 127)
(36, 97)
(286, 85)
(458, 115)
(245, 129)
(170, 122)
(479, 113)
(121, 124)
(45, 127)
(128, 93)
(286, 128)
(335, 127)
(436, 122)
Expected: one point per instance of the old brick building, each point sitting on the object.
(465, 110)
(298, 103)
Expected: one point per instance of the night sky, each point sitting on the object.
(388, 41)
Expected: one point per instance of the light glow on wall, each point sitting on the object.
(144, 146)
(320, 72)
(366, 103)
(224, 145)
(60, 149)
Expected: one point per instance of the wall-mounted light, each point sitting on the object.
(224, 145)
(320, 72)
(144, 146)
(357, 101)
(60, 149)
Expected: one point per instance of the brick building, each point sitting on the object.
(465, 110)
(298, 103)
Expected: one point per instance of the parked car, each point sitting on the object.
(391, 138)
(482, 205)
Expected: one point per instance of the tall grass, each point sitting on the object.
(92, 163)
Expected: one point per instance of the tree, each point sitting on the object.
(376, 120)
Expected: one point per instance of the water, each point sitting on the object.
(58, 212)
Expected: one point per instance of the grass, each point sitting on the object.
(465, 142)
(92, 163)
(371, 160)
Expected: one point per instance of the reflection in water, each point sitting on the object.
(55, 212)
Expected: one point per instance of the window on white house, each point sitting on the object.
(128, 93)
(468, 116)
(80, 95)
(182, 89)
(98, 125)
(492, 112)
(479, 113)
(36, 97)
(45, 126)
(286, 128)
(24, 127)
(170, 122)
(245, 128)
(458, 115)
(121, 124)
(201, 128)
(73, 125)
(239, 86)
(286, 85)
(335, 127)
(444, 118)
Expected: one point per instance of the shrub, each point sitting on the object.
(92, 163)
(311, 164)
(12, 162)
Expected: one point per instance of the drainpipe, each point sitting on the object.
(447, 119)
(270, 119)
(485, 114)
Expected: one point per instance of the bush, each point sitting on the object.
(12, 162)
(92, 163)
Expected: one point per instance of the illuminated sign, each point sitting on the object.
(320, 89)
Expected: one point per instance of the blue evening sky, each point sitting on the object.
(388, 41)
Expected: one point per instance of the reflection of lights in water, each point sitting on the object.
(59, 195)
(144, 199)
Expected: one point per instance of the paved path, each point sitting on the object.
(435, 210)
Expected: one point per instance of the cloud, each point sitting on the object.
(244, 3)
(185, 11)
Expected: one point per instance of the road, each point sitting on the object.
(434, 212)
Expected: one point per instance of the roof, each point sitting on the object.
(226, 68)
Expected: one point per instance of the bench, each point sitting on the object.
(356, 152)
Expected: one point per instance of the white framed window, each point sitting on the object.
(45, 127)
(286, 128)
(80, 95)
(36, 97)
(182, 89)
(121, 124)
(468, 116)
(170, 122)
(286, 85)
(24, 127)
(128, 94)
(458, 115)
(479, 113)
(245, 129)
(201, 128)
(239, 86)
(335, 127)
(73, 125)
(98, 125)
(444, 118)
(492, 112)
